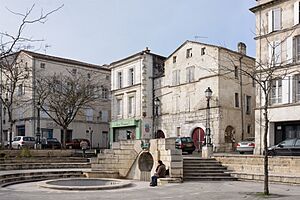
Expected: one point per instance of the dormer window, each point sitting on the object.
(189, 53)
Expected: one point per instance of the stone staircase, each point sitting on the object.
(114, 163)
(198, 169)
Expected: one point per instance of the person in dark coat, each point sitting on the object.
(160, 172)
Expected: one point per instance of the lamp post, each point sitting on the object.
(90, 131)
(38, 128)
(207, 149)
(156, 105)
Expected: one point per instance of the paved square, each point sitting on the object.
(235, 190)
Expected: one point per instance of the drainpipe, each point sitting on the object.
(242, 50)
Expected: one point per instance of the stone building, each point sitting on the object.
(132, 95)
(189, 71)
(91, 123)
(277, 46)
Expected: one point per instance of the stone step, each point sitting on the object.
(9, 179)
(203, 171)
(44, 160)
(20, 166)
(210, 174)
(200, 164)
(214, 178)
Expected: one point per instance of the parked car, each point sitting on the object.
(246, 145)
(20, 142)
(186, 144)
(50, 143)
(75, 143)
(288, 147)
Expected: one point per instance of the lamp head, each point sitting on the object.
(208, 93)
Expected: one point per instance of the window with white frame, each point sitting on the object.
(297, 88)
(296, 48)
(276, 91)
(131, 105)
(274, 20)
(119, 110)
(119, 80)
(190, 74)
(176, 77)
(275, 53)
(89, 112)
(130, 76)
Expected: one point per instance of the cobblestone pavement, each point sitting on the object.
(236, 190)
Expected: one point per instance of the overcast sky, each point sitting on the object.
(102, 31)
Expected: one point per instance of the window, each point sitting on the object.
(190, 71)
(296, 48)
(202, 51)
(131, 76)
(107, 77)
(74, 71)
(249, 129)
(274, 20)
(119, 106)
(276, 91)
(248, 104)
(236, 72)
(89, 114)
(189, 53)
(178, 131)
(275, 53)
(89, 75)
(103, 115)
(174, 59)
(297, 88)
(21, 89)
(104, 93)
(131, 105)
(42, 65)
(176, 77)
(119, 78)
(236, 100)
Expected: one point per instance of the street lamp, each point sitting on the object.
(90, 131)
(207, 149)
(156, 105)
(38, 128)
(208, 94)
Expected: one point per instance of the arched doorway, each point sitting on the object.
(145, 163)
(198, 137)
(160, 134)
(229, 136)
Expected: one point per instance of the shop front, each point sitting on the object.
(128, 129)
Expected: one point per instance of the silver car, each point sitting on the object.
(20, 142)
(246, 145)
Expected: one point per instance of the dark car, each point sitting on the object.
(75, 143)
(186, 144)
(288, 147)
(50, 143)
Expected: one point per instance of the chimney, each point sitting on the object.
(147, 50)
(242, 48)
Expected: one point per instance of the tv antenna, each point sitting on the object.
(197, 38)
(46, 47)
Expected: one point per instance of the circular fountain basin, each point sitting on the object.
(84, 184)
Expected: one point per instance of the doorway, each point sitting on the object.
(198, 137)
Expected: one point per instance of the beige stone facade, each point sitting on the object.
(277, 25)
(189, 71)
(95, 118)
(132, 95)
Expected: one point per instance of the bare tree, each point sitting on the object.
(62, 96)
(264, 74)
(14, 72)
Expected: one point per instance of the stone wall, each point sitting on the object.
(281, 168)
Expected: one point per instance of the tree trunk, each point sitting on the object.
(10, 134)
(64, 137)
(266, 159)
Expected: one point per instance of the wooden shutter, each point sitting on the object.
(289, 49)
(277, 19)
(270, 21)
(296, 13)
(277, 52)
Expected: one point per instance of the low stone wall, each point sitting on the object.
(38, 153)
(281, 168)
